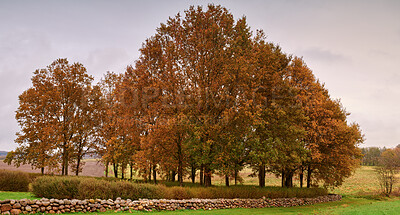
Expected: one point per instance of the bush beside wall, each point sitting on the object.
(90, 188)
(14, 181)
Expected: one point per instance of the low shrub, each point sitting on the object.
(71, 187)
(14, 181)
(129, 190)
(56, 187)
(176, 193)
(245, 192)
(91, 188)
(33, 176)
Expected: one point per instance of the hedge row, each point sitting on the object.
(91, 188)
(14, 181)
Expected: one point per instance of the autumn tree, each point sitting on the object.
(331, 142)
(51, 115)
(389, 164)
(107, 120)
(115, 131)
(36, 136)
(277, 117)
(138, 110)
(193, 60)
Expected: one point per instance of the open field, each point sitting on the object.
(364, 182)
(91, 168)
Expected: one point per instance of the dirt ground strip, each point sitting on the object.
(91, 168)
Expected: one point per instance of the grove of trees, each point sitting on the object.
(206, 96)
(371, 155)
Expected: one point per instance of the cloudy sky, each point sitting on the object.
(352, 46)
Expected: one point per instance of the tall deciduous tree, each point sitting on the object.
(331, 142)
(193, 60)
(117, 134)
(37, 137)
(52, 112)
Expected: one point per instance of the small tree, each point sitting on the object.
(389, 164)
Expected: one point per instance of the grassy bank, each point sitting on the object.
(16, 195)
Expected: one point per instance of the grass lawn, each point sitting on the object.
(16, 195)
(363, 182)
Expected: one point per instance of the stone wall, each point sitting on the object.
(26, 206)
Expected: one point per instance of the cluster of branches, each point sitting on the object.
(206, 96)
(387, 168)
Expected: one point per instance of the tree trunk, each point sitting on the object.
(261, 175)
(180, 161)
(154, 174)
(236, 176)
(123, 171)
(301, 177)
(283, 178)
(42, 170)
(66, 167)
(78, 163)
(150, 174)
(193, 174)
(131, 167)
(65, 159)
(227, 180)
(106, 168)
(289, 179)
(202, 175)
(180, 179)
(309, 176)
(173, 173)
(207, 176)
(115, 165)
(180, 172)
(62, 168)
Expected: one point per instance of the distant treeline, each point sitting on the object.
(371, 155)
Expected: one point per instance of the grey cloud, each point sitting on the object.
(22, 51)
(102, 60)
(324, 55)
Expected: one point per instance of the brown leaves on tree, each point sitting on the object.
(206, 94)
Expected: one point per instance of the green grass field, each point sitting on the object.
(359, 197)
(364, 182)
(16, 195)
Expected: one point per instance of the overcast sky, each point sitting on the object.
(352, 46)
